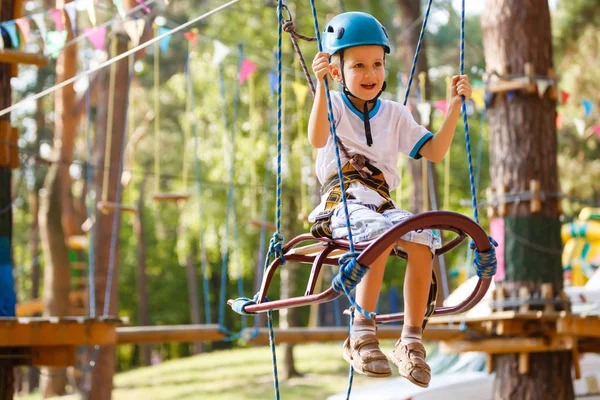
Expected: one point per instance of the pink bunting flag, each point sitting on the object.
(57, 16)
(497, 231)
(23, 24)
(97, 36)
(560, 120)
(441, 106)
(192, 37)
(564, 97)
(597, 129)
(248, 67)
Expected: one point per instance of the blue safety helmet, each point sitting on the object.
(353, 29)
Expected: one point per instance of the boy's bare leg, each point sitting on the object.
(409, 354)
(362, 348)
(416, 282)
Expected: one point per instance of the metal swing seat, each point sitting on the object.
(307, 249)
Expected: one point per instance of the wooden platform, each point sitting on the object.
(338, 334)
(168, 333)
(523, 333)
(58, 331)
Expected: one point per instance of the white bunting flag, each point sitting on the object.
(424, 110)
(134, 29)
(71, 9)
(220, 53)
(542, 85)
(580, 126)
(39, 20)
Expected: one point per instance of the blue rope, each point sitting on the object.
(349, 275)
(417, 51)
(230, 214)
(90, 202)
(117, 213)
(485, 262)
(203, 257)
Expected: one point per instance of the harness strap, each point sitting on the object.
(374, 181)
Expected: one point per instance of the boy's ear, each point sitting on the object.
(335, 72)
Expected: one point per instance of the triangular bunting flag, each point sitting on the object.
(587, 107)
(71, 9)
(560, 120)
(57, 16)
(273, 81)
(300, 91)
(597, 129)
(441, 106)
(12, 33)
(91, 11)
(424, 110)
(564, 97)
(144, 6)
(164, 42)
(510, 95)
(134, 29)
(39, 20)
(542, 85)
(56, 41)
(248, 67)
(220, 53)
(489, 98)
(478, 97)
(192, 37)
(97, 36)
(120, 8)
(1, 43)
(23, 24)
(580, 126)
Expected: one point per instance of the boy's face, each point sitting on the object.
(364, 70)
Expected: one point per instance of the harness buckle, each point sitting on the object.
(359, 162)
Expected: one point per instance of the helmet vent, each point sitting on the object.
(330, 29)
(385, 32)
(340, 33)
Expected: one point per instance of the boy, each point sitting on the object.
(372, 132)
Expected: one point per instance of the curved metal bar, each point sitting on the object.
(300, 301)
(316, 269)
(428, 220)
(445, 220)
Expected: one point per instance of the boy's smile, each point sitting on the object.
(364, 72)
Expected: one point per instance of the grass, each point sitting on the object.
(238, 374)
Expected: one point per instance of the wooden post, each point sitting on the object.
(500, 192)
(491, 210)
(536, 203)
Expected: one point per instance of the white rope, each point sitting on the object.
(115, 59)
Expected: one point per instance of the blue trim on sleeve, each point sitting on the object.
(415, 151)
(358, 112)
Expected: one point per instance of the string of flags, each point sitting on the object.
(53, 32)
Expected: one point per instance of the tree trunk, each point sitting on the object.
(65, 129)
(523, 147)
(56, 270)
(7, 294)
(410, 17)
(104, 370)
(288, 316)
(142, 289)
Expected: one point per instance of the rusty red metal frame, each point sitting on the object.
(369, 251)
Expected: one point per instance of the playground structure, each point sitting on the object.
(581, 254)
(513, 327)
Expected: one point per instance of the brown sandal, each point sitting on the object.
(366, 358)
(410, 359)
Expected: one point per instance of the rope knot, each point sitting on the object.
(276, 246)
(485, 262)
(288, 26)
(349, 274)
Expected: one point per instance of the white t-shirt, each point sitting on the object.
(393, 130)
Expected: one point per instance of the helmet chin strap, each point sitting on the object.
(365, 110)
